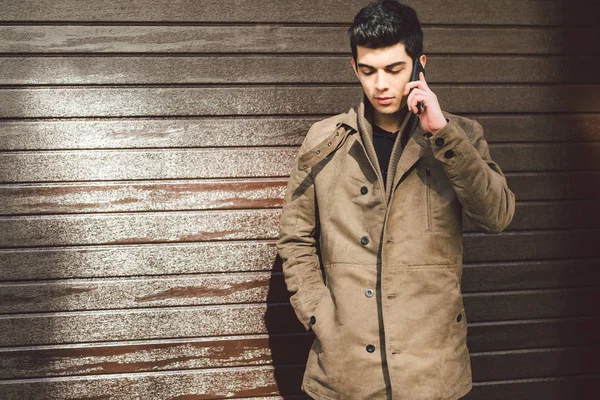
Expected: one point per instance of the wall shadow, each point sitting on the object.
(288, 340)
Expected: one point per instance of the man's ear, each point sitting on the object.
(423, 60)
(354, 68)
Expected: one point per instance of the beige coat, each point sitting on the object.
(388, 318)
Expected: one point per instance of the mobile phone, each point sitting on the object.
(417, 67)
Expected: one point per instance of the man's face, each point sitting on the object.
(383, 73)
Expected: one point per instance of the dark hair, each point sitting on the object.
(384, 23)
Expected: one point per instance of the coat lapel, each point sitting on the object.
(413, 151)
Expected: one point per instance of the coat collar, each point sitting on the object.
(359, 121)
(406, 151)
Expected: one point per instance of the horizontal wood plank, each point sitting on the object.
(139, 228)
(119, 70)
(532, 245)
(569, 273)
(173, 385)
(190, 226)
(241, 351)
(547, 303)
(252, 287)
(75, 165)
(462, 12)
(257, 287)
(59, 198)
(486, 336)
(553, 186)
(232, 256)
(550, 388)
(160, 133)
(278, 100)
(570, 214)
(535, 363)
(263, 381)
(283, 39)
(128, 260)
(267, 131)
(135, 324)
(212, 194)
(149, 164)
(145, 356)
(537, 128)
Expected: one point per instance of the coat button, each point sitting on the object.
(369, 292)
(313, 320)
(449, 154)
(427, 134)
(440, 141)
(364, 240)
(364, 190)
(459, 317)
(370, 348)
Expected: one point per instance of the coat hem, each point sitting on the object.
(466, 389)
(314, 393)
(320, 396)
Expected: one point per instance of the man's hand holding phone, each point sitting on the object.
(431, 116)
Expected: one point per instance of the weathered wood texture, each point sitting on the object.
(103, 165)
(100, 70)
(256, 131)
(245, 256)
(532, 12)
(241, 351)
(164, 227)
(220, 194)
(257, 287)
(59, 39)
(144, 153)
(244, 381)
(247, 319)
(278, 100)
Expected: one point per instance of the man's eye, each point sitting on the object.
(396, 71)
(367, 72)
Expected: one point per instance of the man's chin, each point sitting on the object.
(385, 110)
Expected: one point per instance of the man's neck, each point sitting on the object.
(389, 122)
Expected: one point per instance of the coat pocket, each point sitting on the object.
(327, 354)
(323, 322)
(457, 366)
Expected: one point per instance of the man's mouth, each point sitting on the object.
(384, 100)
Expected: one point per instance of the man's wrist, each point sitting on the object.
(433, 131)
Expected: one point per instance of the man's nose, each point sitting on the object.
(382, 82)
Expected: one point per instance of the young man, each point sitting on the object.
(376, 199)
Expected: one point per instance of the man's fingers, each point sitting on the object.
(415, 84)
(423, 81)
(411, 85)
(416, 92)
(412, 102)
(415, 100)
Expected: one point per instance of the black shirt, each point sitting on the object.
(383, 141)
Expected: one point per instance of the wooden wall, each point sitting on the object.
(144, 152)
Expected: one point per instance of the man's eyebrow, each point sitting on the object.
(396, 64)
(361, 65)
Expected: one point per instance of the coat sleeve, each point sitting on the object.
(297, 245)
(478, 181)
